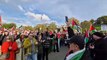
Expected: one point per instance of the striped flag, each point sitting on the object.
(76, 55)
(86, 37)
(75, 26)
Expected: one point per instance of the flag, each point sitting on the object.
(86, 37)
(92, 29)
(66, 18)
(13, 28)
(75, 26)
(76, 55)
(73, 23)
(0, 21)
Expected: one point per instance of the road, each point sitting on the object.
(58, 55)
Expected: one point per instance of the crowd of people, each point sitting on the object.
(36, 45)
(94, 49)
(30, 45)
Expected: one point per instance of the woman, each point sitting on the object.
(30, 46)
(9, 48)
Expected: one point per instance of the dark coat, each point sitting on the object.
(70, 32)
(100, 50)
(1, 39)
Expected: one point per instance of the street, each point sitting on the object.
(58, 55)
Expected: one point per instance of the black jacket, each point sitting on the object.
(70, 32)
(100, 50)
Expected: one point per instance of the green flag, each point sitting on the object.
(86, 37)
(76, 55)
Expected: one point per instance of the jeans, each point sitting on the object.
(32, 57)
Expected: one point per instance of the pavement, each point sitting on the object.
(58, 55)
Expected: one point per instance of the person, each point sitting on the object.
(40, 47)
(77, 49)
(1, 39)
(5, 34)
(19, 51)
(70, 33)
(30, 46)
(51, 36)
(58, 36)
(99, 47)
(9, 48)
(55, 43)
(70, 30)
(46, 45)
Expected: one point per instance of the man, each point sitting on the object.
(46, 44)
(99, 47)
(77, 49)
(70, 33)
(70, 30)
(30, 46)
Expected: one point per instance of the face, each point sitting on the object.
(96, 37)
(6, 33)
(74, 47)
(8, 39)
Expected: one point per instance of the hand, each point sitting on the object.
(36, 43)
(91, 47)
(10, 48)
(43, 41)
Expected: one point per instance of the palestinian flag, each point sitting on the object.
(92, 29)
(76, 55)
(86, 37)
(75, 26)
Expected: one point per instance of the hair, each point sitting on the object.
(10, 38)
(79, 40)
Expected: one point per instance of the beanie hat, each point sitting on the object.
(99, 34)
(79, 40)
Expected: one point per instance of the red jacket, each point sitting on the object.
(5, 47)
